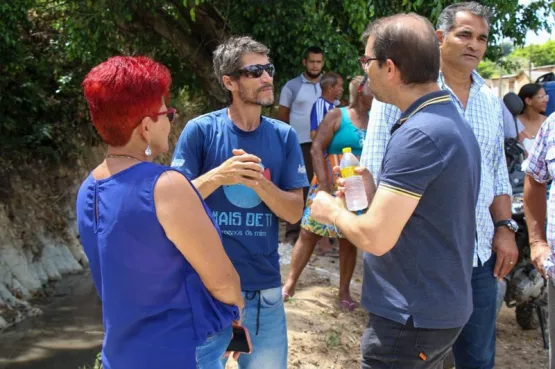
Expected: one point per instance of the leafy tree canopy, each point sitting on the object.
(47, 46)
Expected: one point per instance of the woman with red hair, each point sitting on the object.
(156, 256)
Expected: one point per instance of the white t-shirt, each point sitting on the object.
(301, 106)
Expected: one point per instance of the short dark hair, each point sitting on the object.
(312, 50)
(393, 37)
(529, 90)
(329, 79)
(446, 20)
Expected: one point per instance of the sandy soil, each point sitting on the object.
(323, 336)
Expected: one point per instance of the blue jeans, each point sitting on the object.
(475, 347)
(263, 310)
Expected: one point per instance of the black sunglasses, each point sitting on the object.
(255, 70)
(364, 60)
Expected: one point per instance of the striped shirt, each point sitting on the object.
(483, 112)
(541, 167)
(319, 111)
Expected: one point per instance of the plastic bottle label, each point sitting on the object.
(348, 172)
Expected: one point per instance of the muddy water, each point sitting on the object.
(67, 336)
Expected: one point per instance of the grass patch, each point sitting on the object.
(97, 364)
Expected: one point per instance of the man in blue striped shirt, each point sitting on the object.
(332, 90)
(463, 31)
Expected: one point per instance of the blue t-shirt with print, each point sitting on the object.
(249, 228)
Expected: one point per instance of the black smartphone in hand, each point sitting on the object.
(240, 341)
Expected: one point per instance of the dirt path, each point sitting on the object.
(69, 334)
(322, 336)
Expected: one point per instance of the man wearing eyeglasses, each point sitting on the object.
(463, 31)
(418, 256)
(248, 169)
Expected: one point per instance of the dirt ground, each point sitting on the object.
(323, 336)
(69, 333)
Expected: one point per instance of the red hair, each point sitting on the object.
(122, 91)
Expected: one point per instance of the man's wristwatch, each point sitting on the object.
(509, 223)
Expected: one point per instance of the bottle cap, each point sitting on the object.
(346, 149)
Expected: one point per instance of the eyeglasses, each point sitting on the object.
(364, 60)
(542, 97)
(171, 113)
(255, 70)
(362, 83)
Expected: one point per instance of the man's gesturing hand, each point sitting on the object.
(242, 168)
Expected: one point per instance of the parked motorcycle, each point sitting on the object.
(524, 288)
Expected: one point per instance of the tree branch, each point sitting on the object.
(195, 44)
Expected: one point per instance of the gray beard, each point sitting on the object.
(255, 101)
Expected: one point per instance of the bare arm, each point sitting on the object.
(320, 143)
(283, 114)
(287, 205)
(375, 232)
(188, 226)
(207, 183)
(500, 208)
(535, 209)
(535, 194)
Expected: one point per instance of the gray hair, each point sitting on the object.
(328, 80)
(446, 20)
(227, 56)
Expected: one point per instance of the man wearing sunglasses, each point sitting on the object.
(246, 167)
(463, 32)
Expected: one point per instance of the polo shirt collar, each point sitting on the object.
(422, 102)
(477, 81)
(435, 97)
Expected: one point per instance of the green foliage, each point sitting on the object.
(518, 60)
(288, 28)
(541, 54)
(97, 363)
(26, 78)
(47, 47)
(488, 69)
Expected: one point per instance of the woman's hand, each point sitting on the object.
(234, 355)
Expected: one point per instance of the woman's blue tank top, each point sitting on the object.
(156, 309)
(348, 135)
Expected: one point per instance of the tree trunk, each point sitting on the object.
(194, 41)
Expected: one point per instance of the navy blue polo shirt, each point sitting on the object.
(432, 156)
